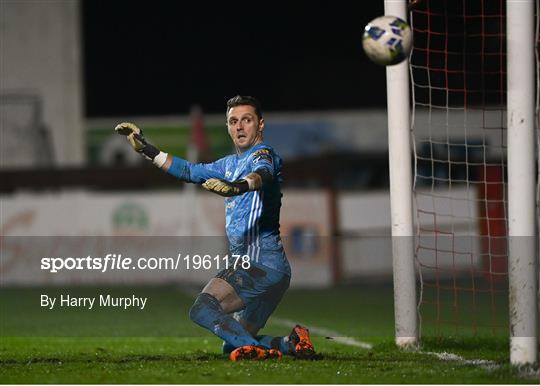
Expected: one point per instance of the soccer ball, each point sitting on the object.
(387, 40)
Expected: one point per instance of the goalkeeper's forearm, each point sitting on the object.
(170, 164)
(175, 166)
(180, 168)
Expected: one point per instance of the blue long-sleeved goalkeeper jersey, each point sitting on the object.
(252, 218)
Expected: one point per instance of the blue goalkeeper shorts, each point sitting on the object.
(260, 288)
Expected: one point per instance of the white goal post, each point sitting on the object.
(522, 266)
(399, 149)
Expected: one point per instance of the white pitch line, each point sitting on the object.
(346, 340)
(443, 356)
(449, 357)
(336, 336)
(525, 372)
(528, 372)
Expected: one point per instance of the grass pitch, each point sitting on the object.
(161, 345)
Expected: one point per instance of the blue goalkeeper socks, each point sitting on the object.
(227, 348)
(282, 343)
(207, 313)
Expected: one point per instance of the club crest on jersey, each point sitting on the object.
(262, 154)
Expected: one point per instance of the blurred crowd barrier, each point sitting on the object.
(164, 224)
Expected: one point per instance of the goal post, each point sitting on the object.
(399, 149)
(522, 264)
(467, 219)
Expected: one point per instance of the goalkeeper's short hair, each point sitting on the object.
(242, 100)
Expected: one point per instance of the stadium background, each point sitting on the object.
(71, 70)
(323, 103)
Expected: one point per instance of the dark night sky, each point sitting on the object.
(159, 57)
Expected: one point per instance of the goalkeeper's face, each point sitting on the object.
(245, 127)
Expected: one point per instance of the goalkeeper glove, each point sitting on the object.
(136, 139)
(226, 188)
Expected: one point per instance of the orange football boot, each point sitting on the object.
(302, 344)
(256, 353)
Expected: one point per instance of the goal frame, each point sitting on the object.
(401, 209)
(522, 266)
(522, 221)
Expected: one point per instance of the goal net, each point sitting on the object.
(25, 140)
(458, 73)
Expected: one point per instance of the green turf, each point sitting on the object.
(161, 345)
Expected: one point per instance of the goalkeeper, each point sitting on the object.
(250, 182)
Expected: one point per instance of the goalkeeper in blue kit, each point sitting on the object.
(250, 181)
